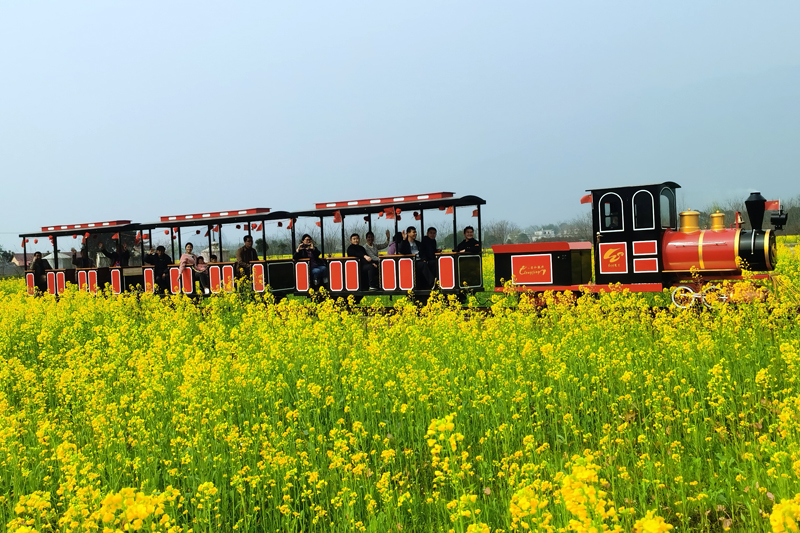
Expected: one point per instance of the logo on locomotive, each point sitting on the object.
(532, 269)
(613, 258)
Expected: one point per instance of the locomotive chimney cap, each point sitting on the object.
(755, 205)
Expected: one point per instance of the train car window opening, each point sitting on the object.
(611, 212)
(643, 211)
(669, 218)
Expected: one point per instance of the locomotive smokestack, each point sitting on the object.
(755, 205)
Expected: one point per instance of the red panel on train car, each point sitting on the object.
(258, 277)
(149, 280)
(534, 269)
(645, 264)
(116, 280)
(83, 280)
(186, 279)
(351, 275)
(61, 282)
(337, 276)
(447, 272)
(174, 280)
(215, 278)
(406, 267)
(92, 281)
(51, 283)
(388, 274)
(706, 250)
(301, 276)
(645, 248)
(613, 257)
(228, 279)
(29, 282)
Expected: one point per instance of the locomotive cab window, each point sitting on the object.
(669, 218)
(643, 213)
(610, 212)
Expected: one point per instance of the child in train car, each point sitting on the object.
(316, 264)
(397, 240)
(469, 245)
(411, 246)
(201, 269)
(367, 265)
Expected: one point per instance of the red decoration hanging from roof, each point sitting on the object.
(337, 216)
(386, 200)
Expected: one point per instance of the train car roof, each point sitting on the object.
(59, 230)
(217, 217)
(376, 205)
(671, 184)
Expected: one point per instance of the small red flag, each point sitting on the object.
(449, 210)
(207, 232)
(474, 212)
(215, 228)
(115, 236)
(337, 216)
(389, 213)
(318, 223)
(586, 199)
(772, 205)
(23, 244)
(289, 225)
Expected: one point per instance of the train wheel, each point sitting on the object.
(683, 297)
(713, 296)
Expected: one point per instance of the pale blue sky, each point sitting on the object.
(138, 109)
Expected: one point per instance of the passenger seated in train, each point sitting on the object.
(411, 246)
(160, 261)
(84, 261)
(316, 264)
(367, 266)
(188, 259)
(244, 256)
(372, 248)
(119, 258)
(429, 250)
(469, 245)
(200, 268)
(40, 267)
(397, 240)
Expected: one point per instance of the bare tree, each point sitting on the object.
(499, 232)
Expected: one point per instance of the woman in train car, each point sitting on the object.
(316, 264)
(188, 259)
(470, 245)
(394, 246)
(372, 248)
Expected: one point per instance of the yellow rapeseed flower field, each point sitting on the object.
(235, 414)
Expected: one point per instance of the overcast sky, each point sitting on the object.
(139, 109)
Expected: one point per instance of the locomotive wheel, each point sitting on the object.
(683, 297)
(713, 296)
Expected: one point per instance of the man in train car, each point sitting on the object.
(118, 257)
(40, 267)
(411, 246)
(160, 261)
(84, 261)
(429, 250)
(367, 266)
(244, 256)
(470, 245)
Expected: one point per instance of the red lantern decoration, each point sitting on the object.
(166, 232)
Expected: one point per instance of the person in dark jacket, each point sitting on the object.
(469, 245)
(160, 261)
(40, 267)
(316, 264)
(244, 256)
(411, 246)
(367, 265)
(118, 257)
(429, 250)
